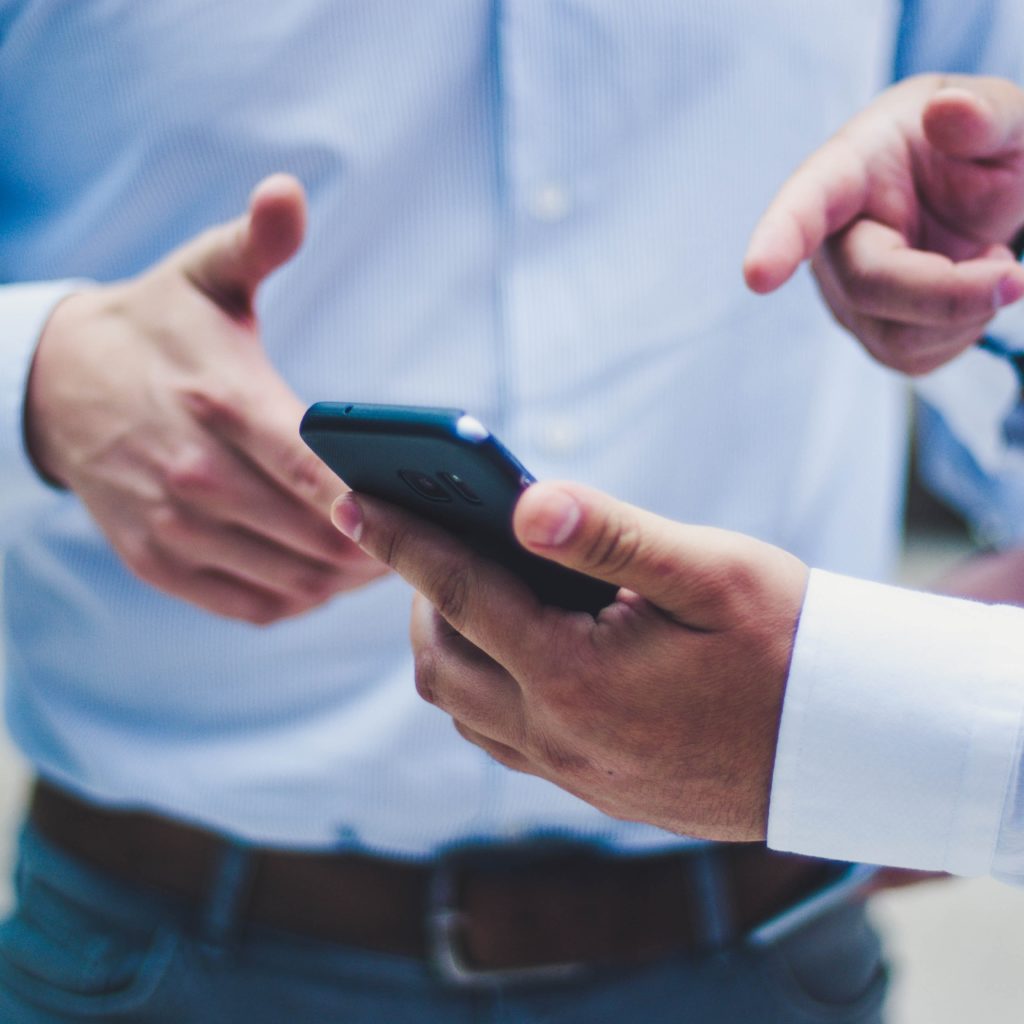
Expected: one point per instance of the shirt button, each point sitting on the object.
(550, 202)
(560, 437)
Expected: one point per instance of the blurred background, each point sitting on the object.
(957, 946)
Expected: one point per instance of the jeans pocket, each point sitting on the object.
(63, 955)
(832, 971)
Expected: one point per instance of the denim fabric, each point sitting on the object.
(80, 946)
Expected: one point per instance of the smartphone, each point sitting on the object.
(446, 467)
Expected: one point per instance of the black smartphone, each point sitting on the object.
(445, 466)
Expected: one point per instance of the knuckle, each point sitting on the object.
(505, 756)
(314, 586)
(877, 351)
(451, 595)
(265, 610)
(260, 614)
(905, 352)
(193, 472)
(426, 674)
(613, 546)
(952, 305)
(859, 284)
(139, 551)
(392, 547)
(306, 477)
(170, 526)
(903, 361)
(919, 365)
(956, 305)
(144, 561)
(897, 346)
(215, 406)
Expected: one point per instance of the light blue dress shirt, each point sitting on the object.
(536, 211)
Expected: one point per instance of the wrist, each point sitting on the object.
(50, 364)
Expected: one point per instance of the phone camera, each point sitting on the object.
(457, 484)
(424, 485)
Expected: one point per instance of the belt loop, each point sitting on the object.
(713, 917)
(227, 897)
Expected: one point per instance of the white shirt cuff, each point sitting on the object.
(899, 734)
(24, 310)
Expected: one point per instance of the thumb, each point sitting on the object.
(976, 119)
(228, 262)
(688, 571)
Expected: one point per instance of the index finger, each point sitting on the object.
(269, 441)
(823, 195)
(483, 601)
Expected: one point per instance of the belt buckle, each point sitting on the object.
(850, 883)
(445, 922)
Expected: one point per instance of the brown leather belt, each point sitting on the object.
(481, 911)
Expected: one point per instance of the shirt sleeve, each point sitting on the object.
(901, 734)
(24, 310)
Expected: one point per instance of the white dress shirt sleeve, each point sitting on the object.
(901, 733)
(24, 310)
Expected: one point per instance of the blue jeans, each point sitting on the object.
(81, 946)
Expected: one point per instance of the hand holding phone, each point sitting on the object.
(445, 466)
